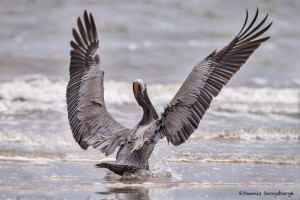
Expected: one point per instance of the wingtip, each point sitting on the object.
(257, 11)
(270, 23)
(85, 15)
(74, 32)
(246, 20)
(85, 12)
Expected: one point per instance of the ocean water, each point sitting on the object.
(246, 147)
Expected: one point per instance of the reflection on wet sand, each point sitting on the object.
(128, 193)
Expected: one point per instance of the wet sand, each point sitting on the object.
(176, 173)
(79, 180)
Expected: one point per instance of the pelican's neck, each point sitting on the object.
(147, 116)
(142, 98)
(149, 112)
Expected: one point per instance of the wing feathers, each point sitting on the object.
(94, 34)
(82, 32)
(89, 120)
(244, 25)
(183, 114)
(251, 24)
(87, 26)
(79, 40)
(255, 29)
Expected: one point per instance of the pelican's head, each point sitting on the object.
(141, 96)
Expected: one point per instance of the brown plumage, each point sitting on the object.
(92, 125)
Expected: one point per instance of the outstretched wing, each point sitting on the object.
(89, 120)
(183, 114)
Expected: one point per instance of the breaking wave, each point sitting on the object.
(64, 141)
(235, 158)
(17, 140)
(266, 134)
(42, 94)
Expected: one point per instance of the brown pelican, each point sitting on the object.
(92, 125)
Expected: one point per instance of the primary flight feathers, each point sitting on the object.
(183, 114)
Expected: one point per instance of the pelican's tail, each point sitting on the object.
(118, 168)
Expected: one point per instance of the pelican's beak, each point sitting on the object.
(136, 89)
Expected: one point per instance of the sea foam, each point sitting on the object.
(45, 95)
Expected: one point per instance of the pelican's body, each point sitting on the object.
(134, 153)
(92, 125)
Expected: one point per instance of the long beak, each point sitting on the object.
(154, 113)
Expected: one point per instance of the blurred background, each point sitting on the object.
(158, 41)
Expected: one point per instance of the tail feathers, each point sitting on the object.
(120, 169)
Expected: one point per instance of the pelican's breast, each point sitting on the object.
(141, 135)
